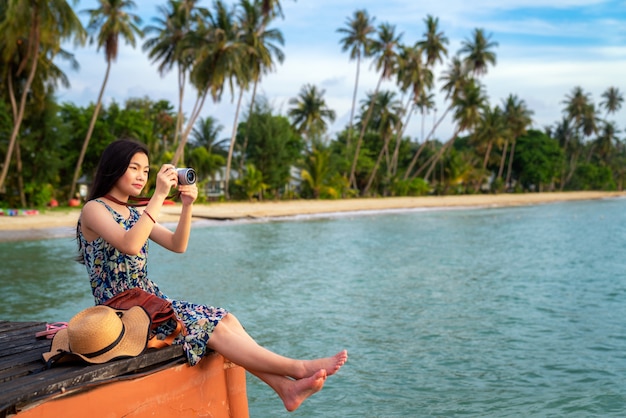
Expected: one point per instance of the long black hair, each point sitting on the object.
(113, 164)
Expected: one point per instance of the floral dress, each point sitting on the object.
(112, 272)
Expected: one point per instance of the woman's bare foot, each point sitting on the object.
(330, 364)
(299, 390)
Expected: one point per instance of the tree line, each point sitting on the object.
(47, 146)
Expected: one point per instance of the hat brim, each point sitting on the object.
(136, 332)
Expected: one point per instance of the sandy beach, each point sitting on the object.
(61, 222)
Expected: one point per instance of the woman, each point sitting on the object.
(113, 244)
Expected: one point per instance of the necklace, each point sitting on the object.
(115, 200)
(136, 201)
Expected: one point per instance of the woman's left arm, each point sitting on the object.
(178, 239)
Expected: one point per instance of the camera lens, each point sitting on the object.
(186, 175)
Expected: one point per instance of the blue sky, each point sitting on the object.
(543, 52)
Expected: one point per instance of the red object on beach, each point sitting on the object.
(53, 203)
(74, 202)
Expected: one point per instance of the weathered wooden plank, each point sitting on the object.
(18, 348)
(71, 377)
(4, 325)
(24, 377)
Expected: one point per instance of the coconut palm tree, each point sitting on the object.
(264, 51)
(205, 136)
(31, 29)
(613, 99)
(47, 78)
(491, 130)
(388, 111)
(580, 110)
(425, 103)
(565, 133)
(384, 48)
(271, 8)
(309, 112)
(168, 45)
(110, 22)
(518, 118)
(434, 43)
(218, 50)
(206, 132)
(576, 105)
(357, 40)
(468, 106)
(478, 53)
(413, 76)
(455, 79)
(607, 141)
(223, 60)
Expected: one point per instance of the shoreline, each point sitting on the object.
(61, 223)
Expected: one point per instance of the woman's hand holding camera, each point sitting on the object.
(169, 177)
(166, 179)
(188, 193)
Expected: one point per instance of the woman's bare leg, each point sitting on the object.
(233, 342)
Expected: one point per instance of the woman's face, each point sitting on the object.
(136, 175)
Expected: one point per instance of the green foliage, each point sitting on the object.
(316, 173)
(592, 177)
(252, 183)
(205, 163)
(40, 194)
(538, 160)
(410, 187)
(273, 146)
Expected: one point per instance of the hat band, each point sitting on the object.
(108, 347)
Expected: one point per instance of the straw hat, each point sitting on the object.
(100, 333)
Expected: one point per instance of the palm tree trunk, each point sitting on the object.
(439, 153)
(419, 151)
(22, 105)
(485, 161)
(20, 175)
(503, 159)
(572, 169)
(192, 120)
(92, 125)
(181, 93)
(375, 169)
(242, 160)
(487, 153)
(363, 128)
(356, 88)
(231, 148)
(401, 129)
(414, 161)
(510, 167)
(592, 149)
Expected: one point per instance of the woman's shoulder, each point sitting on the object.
(95, 208)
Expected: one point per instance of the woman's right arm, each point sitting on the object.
(96, 221)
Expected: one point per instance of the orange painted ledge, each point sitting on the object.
(215, 387)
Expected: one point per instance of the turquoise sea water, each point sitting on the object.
(502, 312)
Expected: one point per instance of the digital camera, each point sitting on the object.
(186, 175)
